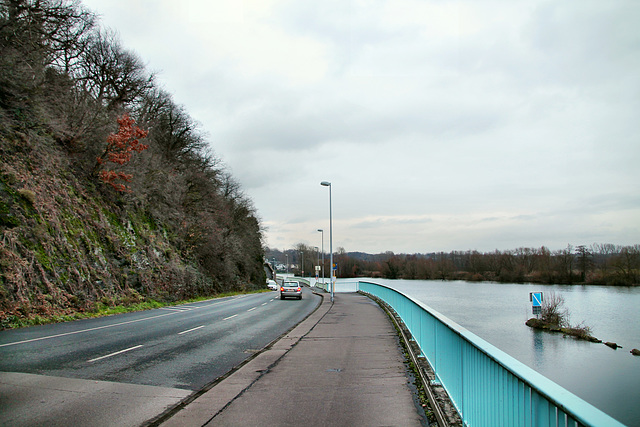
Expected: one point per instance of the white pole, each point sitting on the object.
(328, 184)
(322, 234)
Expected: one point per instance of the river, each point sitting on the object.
(608, 379)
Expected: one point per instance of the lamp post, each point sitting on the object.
(322, 232)
(302, 258)
(328, 184)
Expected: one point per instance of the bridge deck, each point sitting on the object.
(341, 366)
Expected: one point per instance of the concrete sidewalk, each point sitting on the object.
(340, 367)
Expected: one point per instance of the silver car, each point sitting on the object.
(271, 284)
(290, 288)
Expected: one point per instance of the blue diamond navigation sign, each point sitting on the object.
(536, 300)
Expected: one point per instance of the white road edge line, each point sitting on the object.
(114, 354)
(190, 330)
(178, 308)
(171, 313)
(88, 330)
(230, 317)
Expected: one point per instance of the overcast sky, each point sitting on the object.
(442, 125)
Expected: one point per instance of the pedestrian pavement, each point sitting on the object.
(28, 400)
(341, 366)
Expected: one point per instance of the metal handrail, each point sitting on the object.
(487, 386)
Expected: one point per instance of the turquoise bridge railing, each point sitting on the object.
(487, 386)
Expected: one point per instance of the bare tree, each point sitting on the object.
(584, 261)
(35, 35)
(553, 310)
(173, 131)
(56, 30)
(111, 74)
(627, 264)
(564, 263)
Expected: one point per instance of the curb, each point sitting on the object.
(204, 405)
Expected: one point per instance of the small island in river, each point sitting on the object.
(578, 332)
(554, 317)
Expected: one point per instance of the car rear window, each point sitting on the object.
(291, 284)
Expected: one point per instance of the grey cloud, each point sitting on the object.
(518, 130)
(580, 42)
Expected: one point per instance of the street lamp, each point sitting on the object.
(322, 231)
(333, 283)
(302, 257)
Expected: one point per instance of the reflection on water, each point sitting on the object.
(538, 349)
(608, 379)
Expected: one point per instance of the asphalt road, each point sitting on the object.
(179, 348)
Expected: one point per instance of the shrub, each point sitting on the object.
(581, 331)
(554, 311)
(28, 195)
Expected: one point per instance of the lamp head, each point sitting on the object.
(326, 183)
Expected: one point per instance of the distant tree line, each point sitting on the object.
(598, 264)
(64, 77)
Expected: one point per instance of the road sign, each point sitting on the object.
(536, 298)
(536, 301)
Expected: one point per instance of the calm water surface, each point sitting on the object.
(608, 379)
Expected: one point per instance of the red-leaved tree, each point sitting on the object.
(119, 150)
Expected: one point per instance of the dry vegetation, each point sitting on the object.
(555, 317)
(598, 264)
(176, 225)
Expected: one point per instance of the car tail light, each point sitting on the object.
(299, 289)
(281, 289)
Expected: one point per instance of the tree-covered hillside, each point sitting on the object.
(109, 192)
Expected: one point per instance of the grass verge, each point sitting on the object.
(101, 310)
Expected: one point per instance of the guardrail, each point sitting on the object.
(282, 278)
(487, 386)
(323, 285)
(305, 281)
